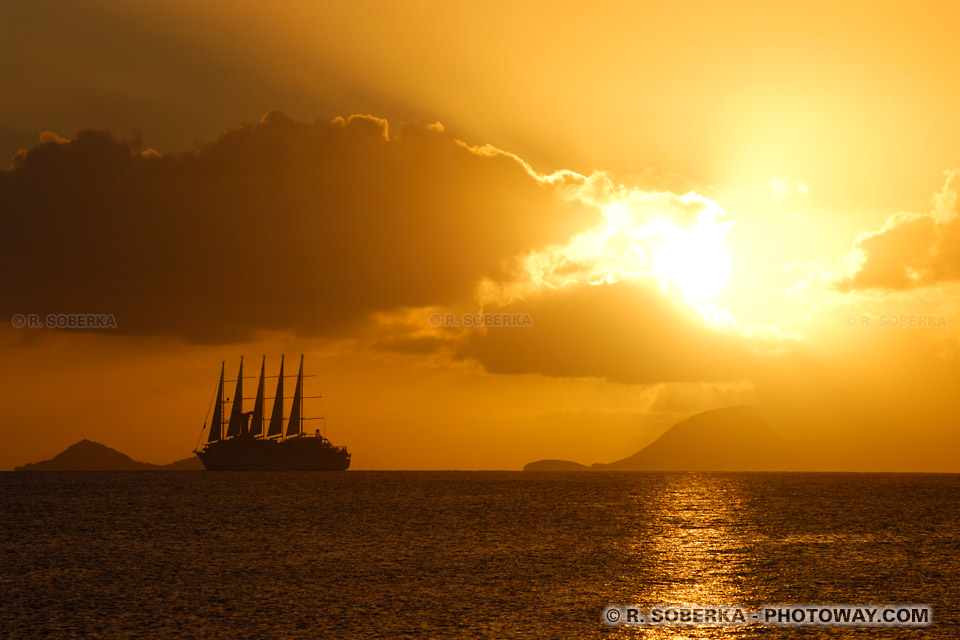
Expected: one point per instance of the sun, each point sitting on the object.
(675, 240)
(694, 260)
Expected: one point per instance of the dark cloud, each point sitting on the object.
(626, 332)
(277, 226)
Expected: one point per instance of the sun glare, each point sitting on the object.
(695, 261)
(645, 236)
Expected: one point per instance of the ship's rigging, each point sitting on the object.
(250, 424)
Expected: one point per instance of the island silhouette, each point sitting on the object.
(87, 455)
(734, 438)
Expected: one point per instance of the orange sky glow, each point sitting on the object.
(693, 205)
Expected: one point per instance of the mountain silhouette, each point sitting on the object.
(93, 456)
(729, 439)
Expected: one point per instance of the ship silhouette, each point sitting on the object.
(247, 442)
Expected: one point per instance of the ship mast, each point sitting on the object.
(234, 428)
(216, 425)
(276, 415)
(300, 387)
(295, 424)
(256, 424)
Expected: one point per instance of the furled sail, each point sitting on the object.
(256, 425)
(295, 425)
(236, 414)
(217, 423)
(276, 416)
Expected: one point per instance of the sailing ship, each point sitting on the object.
(247, 442)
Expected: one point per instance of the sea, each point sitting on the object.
(367, 554)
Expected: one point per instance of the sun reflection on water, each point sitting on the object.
(699, 543)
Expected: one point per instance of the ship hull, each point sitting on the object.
(293, 454)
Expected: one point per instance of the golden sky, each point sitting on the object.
(694, 204)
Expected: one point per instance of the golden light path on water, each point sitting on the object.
(700, 545)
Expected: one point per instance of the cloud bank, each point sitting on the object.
(276, 226)
(911, 250)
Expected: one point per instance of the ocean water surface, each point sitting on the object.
(465, 554)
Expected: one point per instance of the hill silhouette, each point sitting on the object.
(87, 455)
(729, 439)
